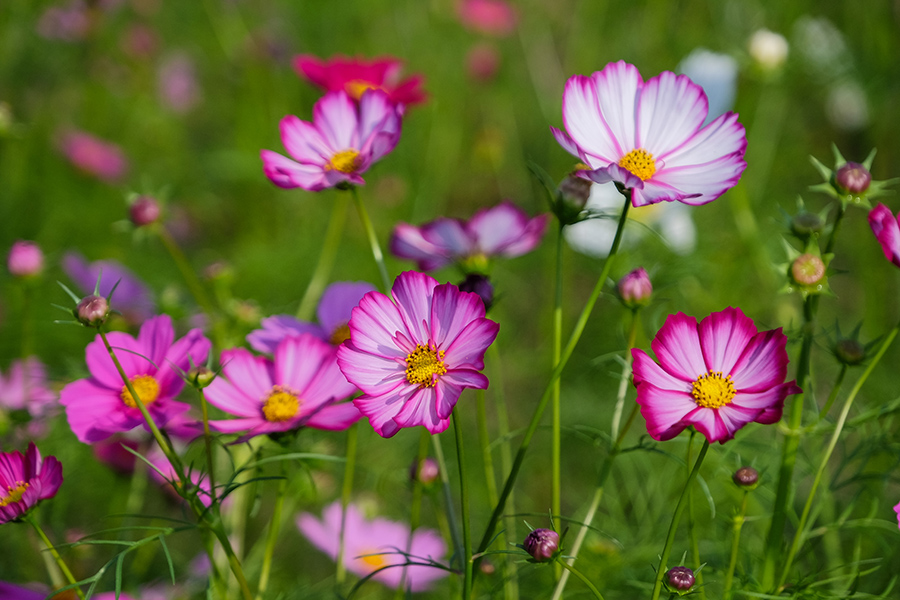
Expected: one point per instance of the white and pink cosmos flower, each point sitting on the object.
(649, 136)
(716, 377)
(886, 228)
(413, 356)
(338, 146)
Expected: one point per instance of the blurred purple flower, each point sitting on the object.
(178, 87)
(70, 22)
(25, 388)
(94, 156)
(132, 297)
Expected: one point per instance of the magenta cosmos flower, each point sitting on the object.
(492, 17)
(717, 376)
(25, 387)
(377, 544)
(886, 228)
(104, 160)
(413, 357)
(99, 406)
(302, 387)
(356, 75)
(504, 230)
(342, 142)
(649, 136)
(25, 480)
(333, 314)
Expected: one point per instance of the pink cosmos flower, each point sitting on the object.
(377, 544)
(897, 510)
(333, 314)
(342, 142)
(302, 387)
(25, 259)
(413, 356)
(717, 376)
(25, 481)
(104, 160)
(649, 136)
(25, 388)
(99, 406)
(886, 228)
(356, 75)
(132, 297)
(177, 84)
(503, 230)
(492, 17)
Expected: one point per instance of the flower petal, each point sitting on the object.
(412, 291)
(723, 337)
(645, 369)
(338, 301)
(468, 349)
(421, 409)
(677, 348)
(286, 173)
(763, 364)
(334, 116)
(670, 109)
(251, 375)
(374, 325)
(451, 311)
(664, 410)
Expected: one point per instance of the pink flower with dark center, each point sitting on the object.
(413, 356)
(302, 387)
(716, 377)
(333, 314)
(504, 230)
(25, 480)
(378, 545)
(101, 405)
(886, 228)
(649, 136)
(338, 146)
(492, 17)
(132, 297)
(104, 160)
(356, 75)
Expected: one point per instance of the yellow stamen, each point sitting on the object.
(640, 162)
(423, 365)
(147, 389)
(14, 494)
(373, 560)
(345, 161)
(340, 333)
(713, 390)
(281, 405)
(357, 87)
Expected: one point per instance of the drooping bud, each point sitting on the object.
(746, 477)
(481, 285)
(635, 288)
(805, 224)
(201, 377)
(92, 311)
(426, 472)
(850, 351)
(25, 259)
(680, 579)
(541, 544)
(808, 269)
(852, 178)
(144, 210)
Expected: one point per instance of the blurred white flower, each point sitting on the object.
(822, 47)
(768, 49)
(846, 106)
(716, 74)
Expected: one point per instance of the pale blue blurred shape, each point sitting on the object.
(717, 75)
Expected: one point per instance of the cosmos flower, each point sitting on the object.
(25, 388)
(491, 17)
(302, 387)
(716, 377)
(132, 297)
(504, 230)
(94, 156)
(886, 228)
(413, 356)
(374, 544)
(25, 480)
(649, 136)
(333, 313)
(342, 142)
(356, 75)
(99, 406)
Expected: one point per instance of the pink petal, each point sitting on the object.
(412, 291)
(654, 191)
(407, 242)
(705, 182)
(222, 394)
(671, 108)
(723, 337)
(334, 115)
(763, 364)
(381, 409)
(336, 417)
(251, 375)
(468, 349)
(566, 142)
(374, 324)
(664, 410)
(677, 348)
(286, 173)
(613, 172)
(298, 359)
(618, 87)
(451, 311)
(645, 369)
(328, 383)
(421, 409)
(450, 236)
(369, 372)
(886, 228)
(466, 378)
(304, 142)
(338, 301)
(180, 357)
(708, 422)
(379, 126)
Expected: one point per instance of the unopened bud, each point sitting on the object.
(144, 211)
(201, 377)
(481, 285)
(92, 311)
(425, 472)
(745, 477)
(635, 288)
(849, 351)
(806, 224)
(852, 178)
(541, 544)
(575, 190)
(808, 269)
(25, 259)
(680, 579)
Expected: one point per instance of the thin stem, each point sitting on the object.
(373, 239)
(695, 545)
(835, 390)
(190, 277)
(448, 496)
(626, 373)
(556, 455)
(580, 576)
(233, 562)
(327, 255)
(464, 501)
(346, 491)
(735, 546)
(673, 527)
(207, 439)
(29, 517)
(274, 528)
(484, 438)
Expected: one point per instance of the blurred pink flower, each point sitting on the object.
(356, 75)
(177, 84)
(341, 143)
(69, 23)
(413, 356)
(897, 510)
(25, 259)
(491, 17)
(139, 41)
(25, 387)
(104, 160)
(886, 228)
(25, 480)
(482, 62)
(162, 472)
(132, 297)
(100, 406)
(378, 545)
(716, 377)
(504, 230)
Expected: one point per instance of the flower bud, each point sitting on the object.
(808, 269)
(575, 190)
(144, 211)
(426, 472)
(852, 178)
(25, 259)
(680, 579)
(92, 311)
(541, 544)
(849, 351)
(806, 223)
(487, 567)
(746, 477)
(635, 288)
(481, 285)
(201, 377)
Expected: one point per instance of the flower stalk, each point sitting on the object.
(327, 255)
(29, 518)
(373, 239)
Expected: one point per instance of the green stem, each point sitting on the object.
(233, 562)
(842, 419)
(564, 358)
(274, 528)
(695, 545)
(580, 576)
(190, 277)
(207, 439)
(484, 438)
(556, 455)
(29, 517)
(835, 390)
(673, 527)
(464, 501)
(626, 373)
(735, 546)
(327, 255)
(346, 491)
(373, 239)
(448, 496)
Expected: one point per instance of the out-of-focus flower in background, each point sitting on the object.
(68, 22)
(132, 297)
(356, 75)
(482, 62)
(769, 50)
(177, 84)
(490, 17)
(94, 156)
(717, 75)
(25, 389)
(886, 228)
(25, 259)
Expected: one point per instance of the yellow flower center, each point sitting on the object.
(357, 87)
(345, 161)
(423, 365)
(281, 405)
(476, 262)
(713, 390)
(340, 333)
(373, 560)
(13, 494)
(147, 389)
(640, 162)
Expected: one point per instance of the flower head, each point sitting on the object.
(343, 140)
(853, 178)
(492, 17)
(25, 480)
(144, 210)
(746, 477)
(301, 387)
(25, 388)
(333, 314)
(649, 136)
(376, 545)
(541, 544)
(25, 259)
(101, 405)
(504, 230)
(886, 228)
(132, 297)
(356, 75)
(716, 377)
(413, 356)
(104, 160)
